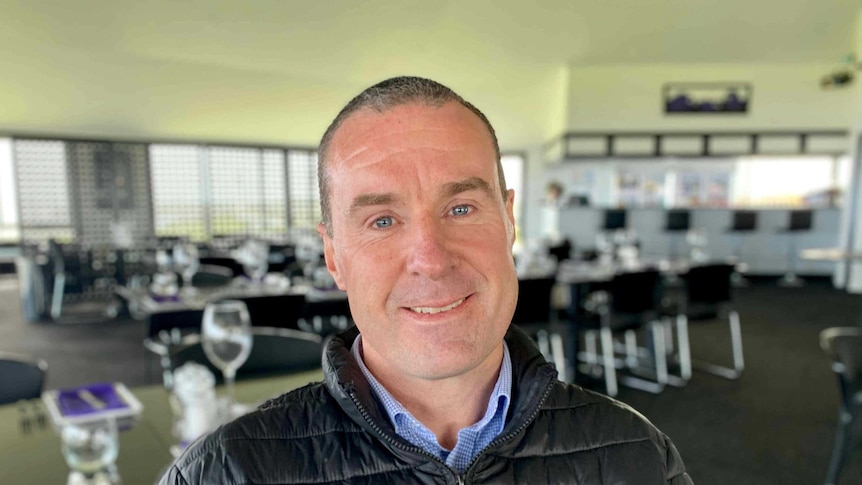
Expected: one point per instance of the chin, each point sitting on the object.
(439, 366)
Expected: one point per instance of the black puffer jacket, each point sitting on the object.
(336, 432)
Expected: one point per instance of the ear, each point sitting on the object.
(329, 256)
(510, 215)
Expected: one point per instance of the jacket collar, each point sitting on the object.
(531, 376)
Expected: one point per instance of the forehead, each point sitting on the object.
(413, 134)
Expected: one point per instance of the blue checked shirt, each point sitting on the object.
(471, 440)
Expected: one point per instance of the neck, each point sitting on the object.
(445, 406)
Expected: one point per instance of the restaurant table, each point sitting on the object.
(35, 457)
(835, 255)
(144, 303)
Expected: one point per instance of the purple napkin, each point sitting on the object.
(71, 403)
(165, 298)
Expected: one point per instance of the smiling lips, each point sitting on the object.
(433, 310)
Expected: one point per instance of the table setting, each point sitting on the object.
(103, 433)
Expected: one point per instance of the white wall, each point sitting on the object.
(630, 97)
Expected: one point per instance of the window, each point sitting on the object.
(513, 170)
(304, 203)
(43, 190)
(760, 181)
(790, 181)
(178, 191)
(8, 205)
(205, 191)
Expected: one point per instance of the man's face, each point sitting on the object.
(421, 239)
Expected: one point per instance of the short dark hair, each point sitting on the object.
(383, 96)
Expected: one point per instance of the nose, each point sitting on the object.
(429, 252)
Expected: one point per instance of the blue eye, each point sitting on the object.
(460, 210)
(383, 222)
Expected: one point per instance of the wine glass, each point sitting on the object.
(187, 262)
(226, 338)
(90, 449)
(255, 260)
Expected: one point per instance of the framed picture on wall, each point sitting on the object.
(706, 97)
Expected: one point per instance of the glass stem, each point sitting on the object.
(229, 377)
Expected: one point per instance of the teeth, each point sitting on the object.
(432, 310)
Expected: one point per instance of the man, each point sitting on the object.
(432, 386)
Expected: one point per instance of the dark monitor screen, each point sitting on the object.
(678, 220)
(744, 220)
(615, 219)
(800, 220)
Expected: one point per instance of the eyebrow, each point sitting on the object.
(366, 200)
(450, 189)
(473, 183)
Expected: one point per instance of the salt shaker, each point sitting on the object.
(195, 401)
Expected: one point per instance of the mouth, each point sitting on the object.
(430, 310)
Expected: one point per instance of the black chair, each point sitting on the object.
(615, 219)
(743, 222)
(280, 257)
(277, 311)
(844, 346)
(797, 221)
(677, 224)
(534, 315)
(77, 282)
(212, 276)
(231, 264)
(562, 250)
(708, 297)
(632, 301)
(273, 351)
(20, 378)
(324, 316)
(165, 329)
(187, 321)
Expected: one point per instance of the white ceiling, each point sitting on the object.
(276, 71)
(350, 37)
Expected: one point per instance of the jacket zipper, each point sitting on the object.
(499, 441)
(401, 446)
(460, 479)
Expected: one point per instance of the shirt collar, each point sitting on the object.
(400, 417)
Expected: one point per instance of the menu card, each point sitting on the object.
(91, 402)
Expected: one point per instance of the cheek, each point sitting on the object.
(367, 269)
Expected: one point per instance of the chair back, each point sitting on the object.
(277, 311)
(744, 220)
(562, 250)
(184, 320)
(20, 378)
(534, 300)
(231, 264)
(615, 219)
(637, 292)
(678, 220)
(709, 284)
(326, 316)
(844, 346)
(800, 220)
(273, 351)
(212, 276)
